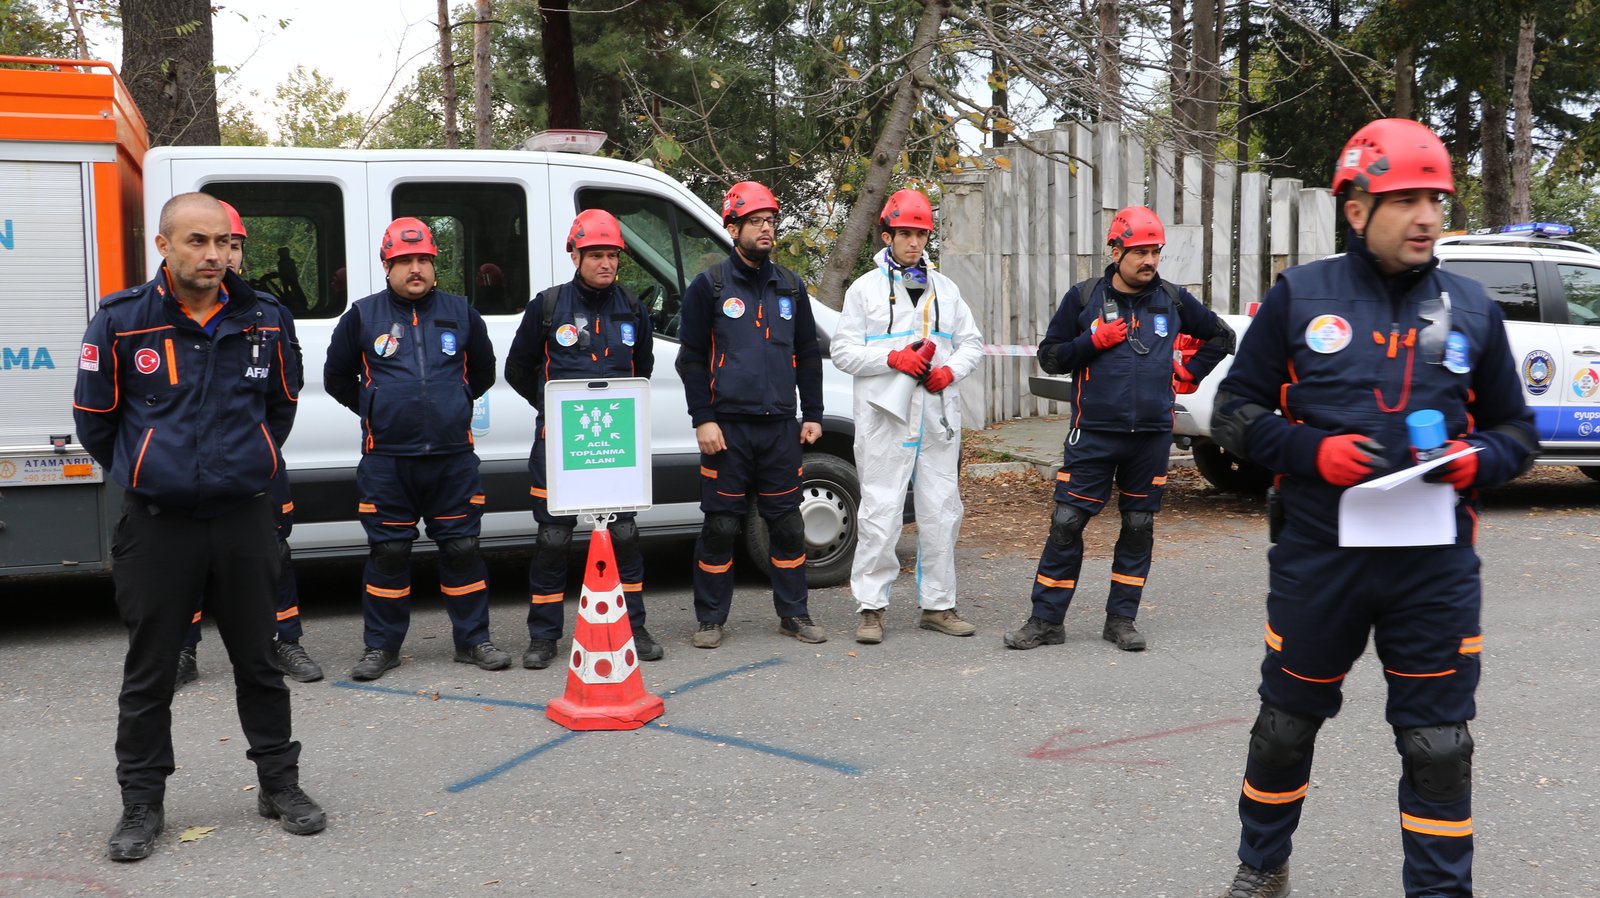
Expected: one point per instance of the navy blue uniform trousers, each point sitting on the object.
(1421, 606)
(444, 494)
(289, 629)
(763, 456)
(547, 586)
(1136, 463)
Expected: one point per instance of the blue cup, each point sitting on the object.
(1427, 433)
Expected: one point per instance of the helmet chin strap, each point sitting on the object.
(916, 273)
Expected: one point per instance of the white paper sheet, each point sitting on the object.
(1401, 509)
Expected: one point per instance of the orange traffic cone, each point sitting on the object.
(604, 688)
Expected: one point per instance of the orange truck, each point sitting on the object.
(72, 148)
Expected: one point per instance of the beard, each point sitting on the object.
(755, 252)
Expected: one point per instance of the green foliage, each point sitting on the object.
(27, 32)
(238, 127)
(311, 112)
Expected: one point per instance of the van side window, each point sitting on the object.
(295, 246)
(482, 233)
(1582, 283)
(1509, 283)
(667, 248)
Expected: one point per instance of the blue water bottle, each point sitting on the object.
(1427, 433)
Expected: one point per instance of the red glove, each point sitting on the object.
(1182, 380)
(908, 360)
(1109, 334)
(939, 378)
(1460, 472)
(1347, 459)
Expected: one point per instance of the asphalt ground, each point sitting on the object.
(928, 765)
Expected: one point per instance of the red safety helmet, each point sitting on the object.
(1136, 226)
(1394, 154)
(594, 228)
(745, 198)
(406, 237)
(907, 209)
(235, 223)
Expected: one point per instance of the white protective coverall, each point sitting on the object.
(924, 448)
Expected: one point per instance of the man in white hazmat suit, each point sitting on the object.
(906, 337)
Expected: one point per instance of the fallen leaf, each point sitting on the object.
(249, 788)
(430, 813)
(223, 739)
(491, 882)
(851, 654)
(196, 833)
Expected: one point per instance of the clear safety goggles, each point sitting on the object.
(1435, 332)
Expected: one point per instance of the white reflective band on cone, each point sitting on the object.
(596, 668)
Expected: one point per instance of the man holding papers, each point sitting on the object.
(1343, 350)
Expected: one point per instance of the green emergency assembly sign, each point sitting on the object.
(598, 434)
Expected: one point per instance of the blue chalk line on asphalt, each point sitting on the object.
(537, 750)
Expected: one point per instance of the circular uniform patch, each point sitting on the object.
(147, 361)
(1328, 334)
(733, 307)
(1538, 371)
(386, 345)
(566, 335)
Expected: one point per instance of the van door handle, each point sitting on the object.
(1587, 351)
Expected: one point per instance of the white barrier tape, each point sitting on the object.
(1019, 349)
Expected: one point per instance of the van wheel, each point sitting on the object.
(1229, 472)
(830, 493)
(1591, 471)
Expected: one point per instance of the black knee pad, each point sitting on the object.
(1282, 738)
(391, 557)
(719, 532)
(1437, 760)
(1066, 524)
(459, 555)
(624, 538)
(1138, 531)
(788, 534)
(554, 540)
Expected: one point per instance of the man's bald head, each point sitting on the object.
(201, 203)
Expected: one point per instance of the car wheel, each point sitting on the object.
(830, 493)
(1591, 471)
(1229, 472)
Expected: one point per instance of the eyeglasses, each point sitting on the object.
(760, 221)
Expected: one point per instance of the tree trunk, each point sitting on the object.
(1182, 90)
(560, 72)
(1496, 175)
(481, 104)
(1405, 82)
(858, 227)
(1108, 61)
(166, 62)
(1208, 91)
(447, 77)
(76, 23)
(1244, 82)
(1522, 130)
(1461, 152)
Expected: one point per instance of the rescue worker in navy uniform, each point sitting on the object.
(748, 341)
(1115, 334)
(591, 327)
(1338, 355)
(186, 391)
(288, 654)
(410, 360)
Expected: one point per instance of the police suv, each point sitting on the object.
(80, 198)
(1549, 291)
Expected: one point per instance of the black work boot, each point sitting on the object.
(374, 663)
(1036, 632)
(802, 628)
(294, 662)
(539, 654)
(1249, 882)
(135, 835)
(300, 815)
(188, 666)
(485, 655)
(1120, 630)
(649, 649)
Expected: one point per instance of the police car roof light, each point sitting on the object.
(1538, 228)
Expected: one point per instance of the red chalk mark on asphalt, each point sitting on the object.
(1052, 751)
(93, 885)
